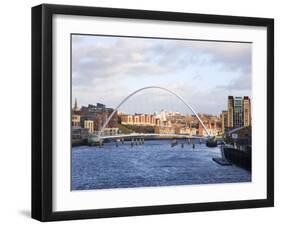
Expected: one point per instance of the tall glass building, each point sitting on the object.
(238, 112)
(238, 119)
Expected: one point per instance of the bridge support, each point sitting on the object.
(174, 143)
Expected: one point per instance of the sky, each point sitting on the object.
(106, 69)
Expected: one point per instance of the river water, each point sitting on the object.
(155, 163)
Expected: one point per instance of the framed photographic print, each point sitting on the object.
(145, 112)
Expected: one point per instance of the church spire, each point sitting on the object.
(75, 108)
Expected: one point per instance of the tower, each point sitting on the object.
(230, 111)
(75, 108)
(224, 120)
(238, 112)
(247, 111)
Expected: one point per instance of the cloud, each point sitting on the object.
(230, 55)
(243, 82)
(106, 69)
(134, 57)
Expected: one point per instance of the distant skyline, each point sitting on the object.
(106, 69)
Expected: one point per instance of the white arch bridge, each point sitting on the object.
(100, 135)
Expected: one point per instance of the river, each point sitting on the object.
(155, 163)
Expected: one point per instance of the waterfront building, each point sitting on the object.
(127, 119)
(230, 111)
(183, 130)
(98, 113)
(79, 133)
(224, 120)
(110, 131)
(238, 120)
(247, 111)
(147, 119)
(193, 131)
(153, 120)
(211, 126)
(240, 137)
(138, 119)
(75, 120)
(164, 130)
(157, 120)
(174, 122)
(89, 124)
(142, 119)
(239, 112)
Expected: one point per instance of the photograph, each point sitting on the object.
(154, 111)
(141, 112)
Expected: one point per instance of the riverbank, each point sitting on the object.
(80, 142)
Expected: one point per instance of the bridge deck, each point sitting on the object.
(135, 135)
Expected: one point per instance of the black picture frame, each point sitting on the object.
(42, 107)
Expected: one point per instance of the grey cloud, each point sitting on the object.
(96, 66)
(231, 55)
(130, 57)
(120, 59)
(243, 82)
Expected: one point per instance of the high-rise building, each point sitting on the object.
(238, 112)
(247, 111)
(224, 120)
(238, 120)
(230, 111)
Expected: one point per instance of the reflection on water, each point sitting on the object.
(155, 163)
